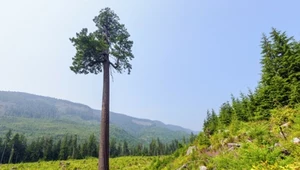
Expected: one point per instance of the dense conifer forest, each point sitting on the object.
(14, 148)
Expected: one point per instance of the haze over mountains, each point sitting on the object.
(37, 116)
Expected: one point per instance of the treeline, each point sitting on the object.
(15, 148)
(279, 85)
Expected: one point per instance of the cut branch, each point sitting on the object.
(115, 66)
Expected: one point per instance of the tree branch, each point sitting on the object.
(115, 66)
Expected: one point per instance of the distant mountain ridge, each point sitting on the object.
(17, 108)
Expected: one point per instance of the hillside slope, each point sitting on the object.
(243, 145)
(36, 115)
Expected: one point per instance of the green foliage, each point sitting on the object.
(93, 146)
(260, 134)
(203, 139)
(279, 87)
(279, 84)
(131, 163)
(34, 128)
(192, 137)
(15, 148)
(258, 149)
(266, 166)
(159, 162)
(126, 163)
(109, 40)
(211, 123)
(246, 157)
(257, 146)
(283, 115)
(225, 113)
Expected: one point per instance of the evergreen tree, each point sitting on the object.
(207, 122)
(119, 149)
(84, 152)
(63, 152)
(211, 123)
(92, 146)
(253, 104)
(279, 85)
(160, 147)
(1, 147)
(153, 148)
(226, 112)
(113, 148)
(48, 148)
(96, 52)
(192, 137)
(75, 149)
(19, 148)
(125, 149)
(56, 149)
(184, 140)
(145, 151)
(7, 145)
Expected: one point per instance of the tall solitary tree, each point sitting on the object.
(108, 46)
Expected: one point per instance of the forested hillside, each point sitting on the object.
(256, 130)
(36, 128)
(36, 116)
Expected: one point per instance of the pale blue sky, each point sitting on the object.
(190, 55)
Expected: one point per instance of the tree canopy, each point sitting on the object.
(110, 42)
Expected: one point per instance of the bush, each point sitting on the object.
(203, 139)
(248, 156)
(283, 115)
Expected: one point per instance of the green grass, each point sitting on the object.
(124, 163)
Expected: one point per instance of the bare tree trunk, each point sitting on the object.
(103, 163)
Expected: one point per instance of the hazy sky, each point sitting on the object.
(190, 55)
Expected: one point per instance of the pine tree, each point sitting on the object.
(75, 149)
(211, 123)
(108, 46)
(92, 146)
(19, 148)
(125, 148)
(48, 148)
(226, 112)
(113, 148)
(279, 85)
(84, 152)
(63, 153)
(56, 149)
(192, 137)
(153, 148)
